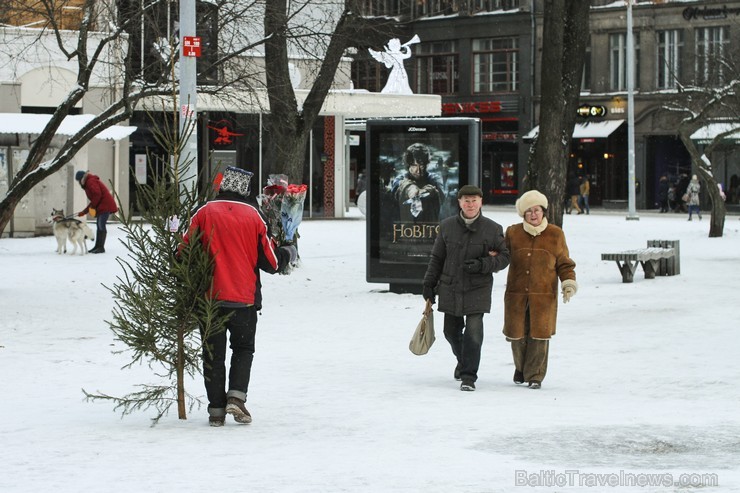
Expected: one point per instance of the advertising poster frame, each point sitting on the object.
(414, 168)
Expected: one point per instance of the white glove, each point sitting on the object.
(569, 288)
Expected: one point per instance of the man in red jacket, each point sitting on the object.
(237, 237)
(101, 206)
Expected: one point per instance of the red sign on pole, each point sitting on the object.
(191, 46)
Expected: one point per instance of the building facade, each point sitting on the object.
(484, 59)
(676, 44)
(478, 56)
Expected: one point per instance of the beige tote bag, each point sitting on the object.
(423, 337)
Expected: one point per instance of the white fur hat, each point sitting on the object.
(530, 199)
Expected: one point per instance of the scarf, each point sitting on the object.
(535, 230)
(467, 221)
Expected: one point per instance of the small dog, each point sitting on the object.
(68, 228)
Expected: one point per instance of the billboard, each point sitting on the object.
(414, 169)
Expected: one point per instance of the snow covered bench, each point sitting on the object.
(661, 257)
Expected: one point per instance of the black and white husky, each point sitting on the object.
(68, 228)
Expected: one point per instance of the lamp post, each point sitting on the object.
(188, 96)
(630, 60)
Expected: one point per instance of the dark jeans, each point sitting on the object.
(101, 220)
(466, 344)
(241, 327)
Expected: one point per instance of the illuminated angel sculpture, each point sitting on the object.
(393, 56)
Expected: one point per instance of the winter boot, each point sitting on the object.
(99, 242)
(467, 386)
(236, 408)
(518, 377)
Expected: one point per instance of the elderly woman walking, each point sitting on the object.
(539, 258)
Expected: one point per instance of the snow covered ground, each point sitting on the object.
(642, 384)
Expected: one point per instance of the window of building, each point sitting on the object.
(436, 68)
(618, 61)
(384, 7)
(586, 78)
(495, 65)
(367, 74)
(670, 52)
(711, 47)
(489, 5)
(435, 7)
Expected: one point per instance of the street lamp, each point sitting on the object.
(188, 172)
(630, 60)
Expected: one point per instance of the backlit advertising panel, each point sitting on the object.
(414, 169)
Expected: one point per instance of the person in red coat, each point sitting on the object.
(101, 206)
(236, 234)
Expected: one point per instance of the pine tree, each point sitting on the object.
(161, 309)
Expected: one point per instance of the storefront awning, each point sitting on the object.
(28, 123)
(587, 130)
(709, 132)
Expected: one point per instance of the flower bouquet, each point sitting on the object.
(282, 204)
(271, 201)
(291, 212)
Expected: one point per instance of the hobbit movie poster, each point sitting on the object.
(415, 170)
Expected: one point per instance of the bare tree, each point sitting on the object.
(99, 53)
(105, 50)
(328, 36)
(718, 109)
(564, 38)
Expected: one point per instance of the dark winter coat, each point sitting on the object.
(97, 193)
(462, 293)
(663, 190)
(574, 186)
(537, 262)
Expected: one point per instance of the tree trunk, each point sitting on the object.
(564, 38)
(704, 170)
(290, 126)
(181, 412)
(719, 211)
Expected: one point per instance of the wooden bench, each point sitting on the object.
(660, 257)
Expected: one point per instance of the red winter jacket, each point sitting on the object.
(97, 193)
(240, 244)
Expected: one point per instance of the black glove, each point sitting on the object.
(292, 252)
(428, 293)
(473, 266)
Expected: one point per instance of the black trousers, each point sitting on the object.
(465, 335)
(241, 329)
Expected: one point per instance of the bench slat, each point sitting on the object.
(649, 258)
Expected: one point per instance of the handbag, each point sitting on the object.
(423, 337)
(685, 197)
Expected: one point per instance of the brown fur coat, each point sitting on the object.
(537, 262)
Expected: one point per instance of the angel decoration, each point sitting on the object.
(393, 56)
